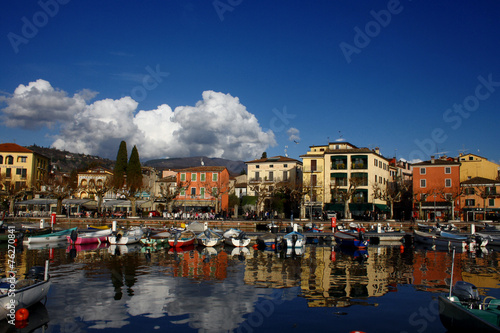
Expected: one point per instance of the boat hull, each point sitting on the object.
(350, 240)
(24, 297)
(454, 316)
(53, 237)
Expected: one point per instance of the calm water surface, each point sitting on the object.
(324, 289)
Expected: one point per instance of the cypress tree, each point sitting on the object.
(134, 174)
(120, 169)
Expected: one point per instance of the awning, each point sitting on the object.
(360, 207)
(382, 208)
(338, 175)
(334, 207)
(122, 203)
(37, 201)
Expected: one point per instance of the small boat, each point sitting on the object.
(124, 237)
(182, 238)
(267, 240)
(463, 242)
(89, 237)
(236, 237)
(463, 310)
(27, 292)
(52, 237)
(157, 239)
(352, 239)
(294, 239)
(209, 238)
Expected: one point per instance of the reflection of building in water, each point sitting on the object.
(331, 278)
(195, 265)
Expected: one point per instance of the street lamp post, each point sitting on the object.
(434, 207)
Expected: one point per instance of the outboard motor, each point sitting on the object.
(294, 240)
(36, 272)
(74, 236)
(361, 236)
(467, 293)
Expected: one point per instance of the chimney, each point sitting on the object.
(432, 159)
(377, 150)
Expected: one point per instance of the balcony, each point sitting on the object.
(308, 169)
(255, 180)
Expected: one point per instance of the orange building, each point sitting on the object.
(204, 188)
(481, 199)
(436, 189)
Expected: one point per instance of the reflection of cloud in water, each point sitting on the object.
(95, 303)
(211, 306)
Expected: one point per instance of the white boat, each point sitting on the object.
(56, 236)
(23, 293)
(124, 237)
(294, 240)
(450, 240)
(89, 236)
(235, 237)
(209, 238)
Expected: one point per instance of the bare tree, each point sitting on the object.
(99, 190)
(392, 192)
(450, 196)
(345, 195)
(419, 198)
(12, 192)
(57, 187)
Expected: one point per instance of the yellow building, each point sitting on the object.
(472, 166)
(333, 168)
(21, 167)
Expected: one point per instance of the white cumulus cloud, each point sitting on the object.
(217, 126)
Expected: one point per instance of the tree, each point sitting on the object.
(57, 187)
(345, 195)
(134, 173)
(120, 169)
(264, 155)
(392, 192)
(451, 197)
(11, 193)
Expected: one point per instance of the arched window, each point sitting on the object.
(9, 160)
(1, 159)
(83, 183)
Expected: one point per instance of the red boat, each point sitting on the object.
(182, 238)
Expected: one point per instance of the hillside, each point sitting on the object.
(234, 167)
(66, 161)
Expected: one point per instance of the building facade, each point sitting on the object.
(21, 167)
(332, 171)
(472, 166)
(266, 175)
(480, 199)
(436, 189)
(203, 188)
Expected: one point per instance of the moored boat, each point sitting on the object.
(352, 239)
(209, 238)
(124, 237)
(56, 236)
(294, 239)
(182, 238)
(89, 237)
(23, 293)
(157, 239)
(235, 237)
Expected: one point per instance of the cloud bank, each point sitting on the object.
(217, 126)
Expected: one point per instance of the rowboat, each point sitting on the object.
(23, 293)
(182, 238)
(209, 238)
(463, 242)
(52, 237)
(236, 237)
(352, 239)
(89, 237)
(157, 239)
(124, 237)
(294, 239)
(267, 240)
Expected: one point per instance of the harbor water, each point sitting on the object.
(324, 288)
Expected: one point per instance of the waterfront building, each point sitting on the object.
(269, 174)
(204, 188)
(472, 166)
(436, 189)
(480, 199)
(95, 182)
(21, 168)
(339, 173)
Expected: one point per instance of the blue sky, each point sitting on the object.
(234, 78)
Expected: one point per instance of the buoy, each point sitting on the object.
(401, 248)
(273, 246)
(21, 324)
(255, 246)
(22, 314)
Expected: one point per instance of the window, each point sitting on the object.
(21, 159)
(471, 158)
(257, 167)
(469, 191)
(447, 170)
(491, 202)
(8, 173)
(447, 182)
(271, 176)
(422, 171)
(214, 177)
(183, 191)
(422, 183)
(183, 177)
(202, 192)
(257, 175)
(285, 165)
(215, 192)
(285, 175)
(193, 177)
(313, 165)
(376, 162)
(470, 202)
(1, 159)
(9, 160)
(202, 177)
(271, 165)
(313, 180)
(193, 191)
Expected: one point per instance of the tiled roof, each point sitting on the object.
(437, 162)
(274, 159)
(480, 181)
(13, 148)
